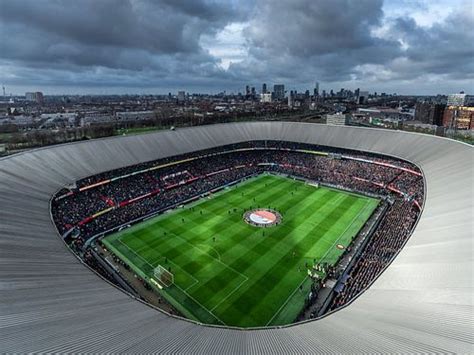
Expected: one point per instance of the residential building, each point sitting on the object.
(362, 97)
(459, 117)
(460, 100)
(35, 97)
(429, 113)
(181, 96)
(279, 91)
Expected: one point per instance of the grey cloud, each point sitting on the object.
(300, 41)
(307, 40)
(308, 27)
(157, 26)
(147, 44)
(444, 48)
(117, 43)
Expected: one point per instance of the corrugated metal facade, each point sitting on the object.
(50, 302)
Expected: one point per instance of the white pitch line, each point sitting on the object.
(196, 281)
(230, 294)
(182, 290)
(336, 200)
(227, 266)
(286, 301)
(134, 252)
(219, 255)
(205, 252)
(192, 285)
(199, 303)
(284, 304)
(350, 225)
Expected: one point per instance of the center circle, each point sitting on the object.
(262, 217)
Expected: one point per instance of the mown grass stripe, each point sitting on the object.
(277, 268)
(244, 276)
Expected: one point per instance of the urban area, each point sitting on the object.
(36, 119)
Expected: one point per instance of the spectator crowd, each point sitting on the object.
(115, 198)
(139, 194)
(384, 244)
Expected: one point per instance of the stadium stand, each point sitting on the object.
(156, 186)
(422, 302)
(118, 197)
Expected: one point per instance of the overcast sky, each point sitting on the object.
(158, 46)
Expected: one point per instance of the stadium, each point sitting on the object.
(261, 237)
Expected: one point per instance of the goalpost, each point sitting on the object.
(163, 276)
(312, 183)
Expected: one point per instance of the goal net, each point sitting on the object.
(162, 275)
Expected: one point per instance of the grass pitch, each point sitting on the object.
(229, 272)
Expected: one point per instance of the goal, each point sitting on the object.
(162, 275)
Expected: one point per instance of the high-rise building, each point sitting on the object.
(316, 89)
(279, 91)
(460, 100)
(247, 90)
(437, 114)
(427, 112)
(459, 117)
(181, 96)
(264, 88)
(39, 97)
(35, 97)
(362, 97)
(356, 93)
(291, 99)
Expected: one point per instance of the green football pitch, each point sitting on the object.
(229, 272)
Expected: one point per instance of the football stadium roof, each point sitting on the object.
(50, 302)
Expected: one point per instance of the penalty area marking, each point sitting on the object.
(199, 303)
(225, 265)
(175, 284)
(196, 281)
(185, 290)
(205, 252)
(212, 248)
(134, 252)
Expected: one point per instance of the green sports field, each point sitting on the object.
(231, 273)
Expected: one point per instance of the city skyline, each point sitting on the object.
(119, 47)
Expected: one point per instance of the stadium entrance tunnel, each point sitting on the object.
(171, 233)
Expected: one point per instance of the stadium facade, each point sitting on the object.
(50, 302)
